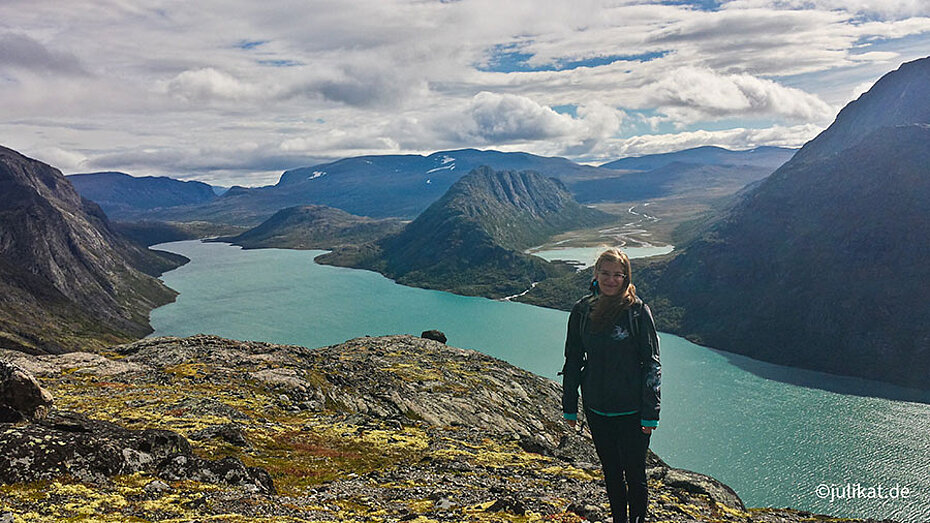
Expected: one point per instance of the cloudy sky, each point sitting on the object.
(236, 91)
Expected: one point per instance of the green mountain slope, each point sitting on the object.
(471, 240)
(314, 227)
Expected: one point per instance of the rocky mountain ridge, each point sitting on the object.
(393, 428)
(67, 279)
(762, 157)
(471, 241)
(118, 194)
(376, 186)
(897, 98)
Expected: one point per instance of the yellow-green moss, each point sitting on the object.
(187, 370)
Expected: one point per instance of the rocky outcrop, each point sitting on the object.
(68, 443)
(228, 470)
(63, 443)
(392, 428)
(21, 397)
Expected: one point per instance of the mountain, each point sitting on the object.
(314, 227)
(67, 280)
(822, 264)
(697, 182)
(376, 186)
(685, 189)
(763, 157)
(404, 185)
(898, 98)
(471, 241)
(118, 193)
(441, 168)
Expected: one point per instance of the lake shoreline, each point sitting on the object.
(719, 416)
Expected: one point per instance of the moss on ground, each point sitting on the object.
(301, 450)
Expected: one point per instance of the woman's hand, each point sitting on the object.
(572, 422)
(648, 430)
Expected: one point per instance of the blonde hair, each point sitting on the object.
(607, 309)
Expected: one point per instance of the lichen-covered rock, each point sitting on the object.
(230, 471)
(696, 483)
(68, 443)
(21, 396)
(229, 432)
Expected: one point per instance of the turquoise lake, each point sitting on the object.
(773, 433)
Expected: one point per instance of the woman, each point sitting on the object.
(612, 352)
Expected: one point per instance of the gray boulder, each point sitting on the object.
(21, 396)
(68, 443)
(229, 470)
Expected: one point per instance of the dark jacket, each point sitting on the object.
(618, 371)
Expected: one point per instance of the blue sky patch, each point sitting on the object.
(703, 5)
(510, 58)
(250, 44)
(280, 63)
(569, 109)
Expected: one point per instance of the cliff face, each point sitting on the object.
(819, 265)
(392, 428)
(471, 240)
(67, 280)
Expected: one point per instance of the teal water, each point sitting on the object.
(772, 433)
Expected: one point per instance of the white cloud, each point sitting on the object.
(507, 118)
(367, 86)
(739, 138)
(332, 78)
(881, 8)
(690, 94)
(65, 161)
(859, 90)
(517, 121)
(240, 163)
(209, 85)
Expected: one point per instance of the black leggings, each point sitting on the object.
(621, 445)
